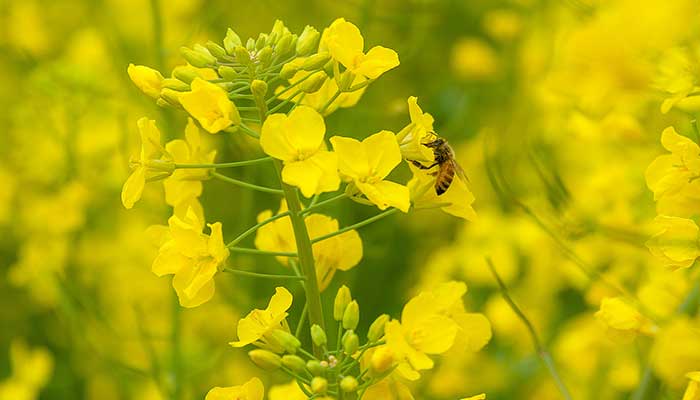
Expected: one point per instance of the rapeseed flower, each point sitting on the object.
(257, 327)
(147, 79)
(148, 161)
(251, 390)
(210, 106)
(676, 241)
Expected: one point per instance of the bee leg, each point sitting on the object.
(421, 166)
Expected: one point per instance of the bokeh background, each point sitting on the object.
(552, 106)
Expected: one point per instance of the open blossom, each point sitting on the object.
(412, 138)
(692, 391)
(621, 319)
(147, 79)
(257, 327)
(192, 256)
(457, 200)
(251, 390)
(210, 106)
(148, 161)
(346, 45)
(297, 140)
(676, 241)
(367, 163)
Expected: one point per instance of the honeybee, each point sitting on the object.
(446, 163)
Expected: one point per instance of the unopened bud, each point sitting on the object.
(242, 55)
(319, 385)
(162, 103)
(345, 81)
(295, 363)
(161, 165)
(265, 56)
(290, 343)
(382, 360)
(258, 88)
(261, 42)
(376, 330)
(216, 50)
(231, 41)
(317, 61)
(351, 342)
(289, 70)
(250, 44)
(314, 367)
(198, 58)
(318, 335)
(308, 41)
(278, 29)
(175, 84)
(342, 299)
(351, 316)
(171, 96)
(227, 73)
(265, 359)
(284, 44)
(348, 384)
(185, 73)
(313, 83)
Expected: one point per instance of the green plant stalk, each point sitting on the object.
(261, 275)
(224, 165)
(245, 184)
(355, 226)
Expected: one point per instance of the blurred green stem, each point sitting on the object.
(355, 226)
(539, 347)
(224, 165)
(260, 275)
(245, 184)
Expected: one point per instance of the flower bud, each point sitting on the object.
(258, 88)
(250, 44)
(198, 58)
(318, 335)
(290, 343)
(351, 316)
(284, 44)
(170, 96)
(342, 299)
(278, 29)
(348, 384)
(376, 330)
(317, 61)
(382, 360)
(308, 41)
(319, 385)
(313, 83)
(185, 73)
(231, 41)
(261, 42)
(345, 81)
(175, 84)
(161, 165)
(351, 342)
(227, 73)
(289, 70)
(265, 56)
(163, 103)
(216, 50)
(265, 359)
(242, 55)
(314, 367)
(295, 363)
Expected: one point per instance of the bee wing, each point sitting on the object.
(460, 171)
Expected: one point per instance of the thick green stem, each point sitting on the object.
(306, 256)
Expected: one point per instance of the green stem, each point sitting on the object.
(245, 184)
(249, 131)
(288, 88)
(306, 256)
(244, 250)
(329, 102)
(539, 347)
(255, 227)
(355, 226)
(302, 319)
(259, 275)
(176, 351)
(284, 102)
(224, 165)
(315, 206)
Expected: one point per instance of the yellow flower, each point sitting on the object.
(251, 390)
(346, 45)
(147, 79)
(210, 106)
(414, 135)
(692, 391)
(676, 242)
(290, 391)
(151, 151)
(257, 327)
(621, 319)
(367, 163)
(318, 99)
(457, 200)
(674, 177)
(341, 252)
(192, 256)
(297, 139)
(676, 351)
(186, 183)
(388, 389)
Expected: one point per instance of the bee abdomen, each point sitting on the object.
(444, 179)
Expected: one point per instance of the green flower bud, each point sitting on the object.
(295, 363)
(348, 384)
(258, 88)
(261, 42)
(265, 359)
(308, 41)
(278, 29)
(265, 56)
(227, 86)
(216, 50)
(284, 45)
(351, 316)
(290, 343)
(231, 41)
(313, 83)
(227, 73)
(345, 81)
(318, 335)
(342, 299)
(376, 330)
(170, 96)
(250, 44)
(351, 342)
(163, 103)
(175, 84)
(289, 70)
(319, 385)
(317, 61)
(185, 73)
(314, 367)
(242, 55)
(198, 58)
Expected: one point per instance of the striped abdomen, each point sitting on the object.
(444, 177)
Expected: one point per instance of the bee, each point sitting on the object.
(446, 163)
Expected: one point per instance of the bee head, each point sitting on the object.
(435, 143)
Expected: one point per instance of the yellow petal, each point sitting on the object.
(386, 194)
(280, 301)
(210, 106)
(345, 42)
(147, 79)
(294, 137)
(383, 153)
(133, 187)
(192, 298)
(169, 260)
(352, 157)
(377, 61)
(315, 175)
